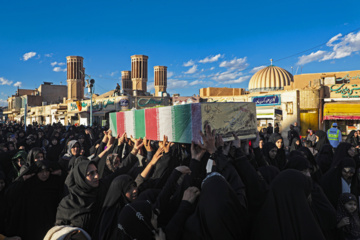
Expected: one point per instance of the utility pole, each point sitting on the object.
(91, 90)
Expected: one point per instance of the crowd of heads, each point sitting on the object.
(90, 183)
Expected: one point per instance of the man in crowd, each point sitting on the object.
(334, 135)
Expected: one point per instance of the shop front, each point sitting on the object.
(268, 110)
(310, 105)
(345, 114)
(343, 107)
(101, 107)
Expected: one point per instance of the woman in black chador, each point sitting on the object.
(118, 195)
(219, 214)
(32, 201)
(340, 179)
(81, 208)
(321, 139)
(286, 213)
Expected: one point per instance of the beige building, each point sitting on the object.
(52, 94)
(45, 94)
(313, 100)
(276, 102)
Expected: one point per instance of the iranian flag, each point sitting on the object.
(182, 123)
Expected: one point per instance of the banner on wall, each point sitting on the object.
(183, 123)
(267, 100)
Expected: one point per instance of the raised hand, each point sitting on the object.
(191, 194)
(138, 143)
(106, 137)
(159, 153)
(343, 222)
(197, 152)
(219, 142)
(165, 144)
(122, 139)
(147, 145)
(208, 139)
(111, 139)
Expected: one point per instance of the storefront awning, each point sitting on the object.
(342, 111)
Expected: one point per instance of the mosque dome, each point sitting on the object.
(270, 78)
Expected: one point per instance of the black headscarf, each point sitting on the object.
(316, 173)
(294, 146)
(219, 214)
(266, 149)
(268, 173)
(134, 221)
(280, 156)
(331, 181)
(353, 229)
(322, 139)
(106, 165)
(77, 160)
(324, 158)
(114, 202)
(322, 209)
(286, 213)
(298, 163)
(33, 203)
(54, 151)
(352, 139)
(341, 152)
(81, 199)
(15, 171)
(274, 137)
(32, 155)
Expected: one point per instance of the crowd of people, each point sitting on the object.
(76, 182)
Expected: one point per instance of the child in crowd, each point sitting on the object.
(348, 217)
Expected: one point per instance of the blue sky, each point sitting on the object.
(203, 43)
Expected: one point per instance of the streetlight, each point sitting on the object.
(91, 90)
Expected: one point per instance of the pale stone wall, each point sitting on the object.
(290, 105)
(52, 93)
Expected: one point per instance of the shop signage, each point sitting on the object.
(108, 102)
(73, 106)
(143, 102)
(267, 100)
(97, 106)
(124, 102)
(346, 90)
(347, 77)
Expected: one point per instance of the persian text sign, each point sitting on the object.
(267, 100)
(345, 91)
